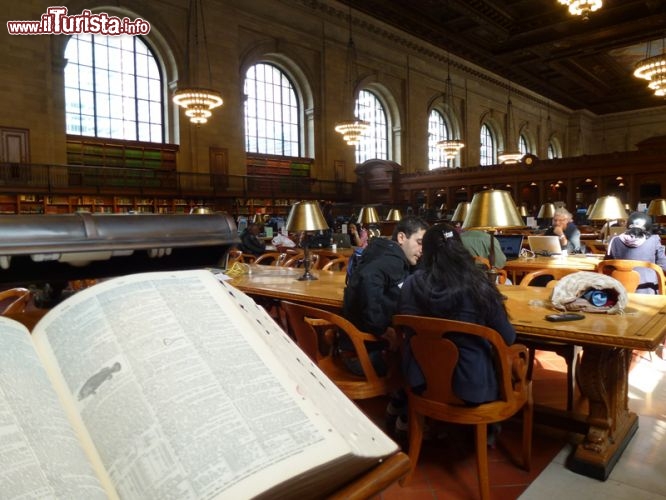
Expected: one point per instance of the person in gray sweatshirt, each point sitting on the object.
(638, 243)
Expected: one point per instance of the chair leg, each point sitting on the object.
(481, 438)
(528, 424)
(416, 423)
(530, 362)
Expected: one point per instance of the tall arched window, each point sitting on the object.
(271, 112)
(113, 89)
(374, 143)
(487, 154)
(437, 131)
(551, 151)
(523, 145)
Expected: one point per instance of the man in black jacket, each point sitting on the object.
(371, 296)
(250, 240)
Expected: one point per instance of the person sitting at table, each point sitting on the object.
(371, 297)
(564, 227)
(250, 241)
(359, 237)
(638, 243)
(449, 285)
(478, 244)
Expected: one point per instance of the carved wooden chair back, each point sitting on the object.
(437, 357)
(316, 332)
(625, 271)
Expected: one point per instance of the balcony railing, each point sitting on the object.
(55, 179)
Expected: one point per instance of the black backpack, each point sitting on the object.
(353, 263)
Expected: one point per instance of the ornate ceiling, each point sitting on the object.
(539, 45)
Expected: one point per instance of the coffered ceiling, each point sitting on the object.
(539, 45)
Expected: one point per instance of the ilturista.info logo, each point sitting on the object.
(57, 21)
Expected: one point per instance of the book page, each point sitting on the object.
(40, 455)
(177, 391)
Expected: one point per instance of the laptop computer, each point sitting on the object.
(511, 245)
(545, 245)
(342, 240)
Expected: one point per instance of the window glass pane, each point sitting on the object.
(487, 151)
(112, 91)
(374, 142)
(437, 131)
(86, 81)
(271, 112)
(522, 145)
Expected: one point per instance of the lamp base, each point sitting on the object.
(307, 277)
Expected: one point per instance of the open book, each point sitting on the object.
(171, 385)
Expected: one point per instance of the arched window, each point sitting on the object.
(552, 154)
(523, 145)
(488, 150)
(271, 112)
(113, 89)
(437, 131)
(374, 143)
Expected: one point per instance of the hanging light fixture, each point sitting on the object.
(351, 129)
(582, 7)
(450, 147)
(510, 153)
(653, 69)
(197, 101)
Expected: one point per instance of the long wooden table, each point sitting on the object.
(607, 341)
(517, 267)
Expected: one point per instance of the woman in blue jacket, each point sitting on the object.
(450, 285)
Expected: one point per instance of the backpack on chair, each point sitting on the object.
(354, 260)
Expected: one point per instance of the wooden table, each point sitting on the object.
(607, 341)
(517, 267)
(274, 282)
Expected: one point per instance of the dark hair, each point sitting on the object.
(639, 224)
(451, 269)
(409, 225)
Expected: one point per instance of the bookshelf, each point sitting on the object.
(91, 151)
(11, 204)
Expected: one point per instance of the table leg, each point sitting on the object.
(604, 378)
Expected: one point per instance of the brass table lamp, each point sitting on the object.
(367, 216)
(460, 212)
(491, 210)
(394, 215)
(657, 208)
(306, 216)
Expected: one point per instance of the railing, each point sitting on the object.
(55, 179)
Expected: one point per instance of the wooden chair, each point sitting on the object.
(297, 260)
(325, 256)
(337, 264)
(271, 259)
(485, 263)
(316, 332)
(624, 270)
(569, 352)
(437, 356)
(235, 255)
(556, 273)
(15, 303)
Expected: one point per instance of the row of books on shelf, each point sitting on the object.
(57, 204)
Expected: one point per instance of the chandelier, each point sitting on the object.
(450, 147)
(509, 155)
(582, 7)
(653, 69)
(352, 128)
(197, 101)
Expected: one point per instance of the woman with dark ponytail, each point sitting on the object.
(450, 285)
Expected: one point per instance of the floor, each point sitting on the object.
(447, 467)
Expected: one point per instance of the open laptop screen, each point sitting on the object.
(545, 245)
(511, 244)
